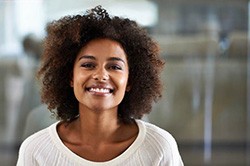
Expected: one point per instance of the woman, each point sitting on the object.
(101, 74)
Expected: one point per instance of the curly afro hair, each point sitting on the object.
(66, 36)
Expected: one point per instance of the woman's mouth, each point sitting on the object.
(100, 90)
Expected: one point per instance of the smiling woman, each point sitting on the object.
(101, 74)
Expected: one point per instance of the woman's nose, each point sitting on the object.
(101, 75)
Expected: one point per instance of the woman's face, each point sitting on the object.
(100, 75)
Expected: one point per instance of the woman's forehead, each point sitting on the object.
(103, 47)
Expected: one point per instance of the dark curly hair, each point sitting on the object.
(65, 38)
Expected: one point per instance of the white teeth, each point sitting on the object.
(100, 90)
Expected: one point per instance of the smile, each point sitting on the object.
(100, 90)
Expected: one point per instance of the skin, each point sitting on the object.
(100, 77)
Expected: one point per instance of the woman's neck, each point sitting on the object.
(97, 125)
(102, 126)
(98, 136)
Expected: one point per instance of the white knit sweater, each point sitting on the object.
(152, 147)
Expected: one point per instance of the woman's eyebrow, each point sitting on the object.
(116, 59)
(109, 59)
(87, 57)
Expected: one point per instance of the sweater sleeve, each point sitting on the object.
(24, 155)
(30, 147)
(164, 146)
(171, 154)
(20, 161)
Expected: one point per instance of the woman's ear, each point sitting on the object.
(71, 80)
(128, 88)
(71, 83)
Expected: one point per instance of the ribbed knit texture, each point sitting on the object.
(152, 147)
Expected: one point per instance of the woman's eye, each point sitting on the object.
(88, 65)
(115, 67)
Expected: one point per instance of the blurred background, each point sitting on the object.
(206, 99)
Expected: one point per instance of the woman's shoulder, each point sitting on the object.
(155, 131)
(159, 143)
(37, 139)
(158, 137)
(37, 145)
